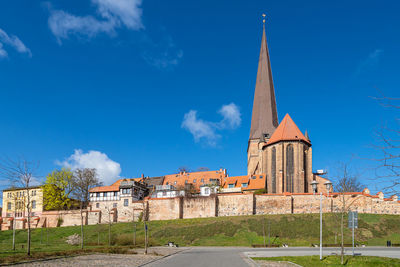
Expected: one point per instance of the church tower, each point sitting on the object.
(264, 119)
(282, 153)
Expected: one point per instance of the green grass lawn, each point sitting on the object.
(313, 261)
(292, 229)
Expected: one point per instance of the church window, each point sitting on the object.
(305, 170)
(273, 170)
(289, 169)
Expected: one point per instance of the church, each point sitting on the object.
(278, 150)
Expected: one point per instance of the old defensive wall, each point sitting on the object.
(214, 206)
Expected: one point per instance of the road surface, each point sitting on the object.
(238, 257)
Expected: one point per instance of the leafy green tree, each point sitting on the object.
(57, 189)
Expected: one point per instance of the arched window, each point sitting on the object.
(289, 169)
(273, 170)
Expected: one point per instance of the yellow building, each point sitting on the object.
(15, 202)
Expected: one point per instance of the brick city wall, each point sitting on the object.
(212, 206)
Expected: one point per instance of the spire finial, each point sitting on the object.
(263, 15)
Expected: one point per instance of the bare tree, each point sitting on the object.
(21, 174)
(388, 169)
(183, 169)
(84, 180)
(345, 183)
(203, 169)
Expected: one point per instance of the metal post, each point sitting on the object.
(320, 227)
(353, 232)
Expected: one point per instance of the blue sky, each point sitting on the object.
(117, 78)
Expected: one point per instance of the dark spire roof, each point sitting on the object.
(265, 116)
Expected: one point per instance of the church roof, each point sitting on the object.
(265, 116)
(287, 131)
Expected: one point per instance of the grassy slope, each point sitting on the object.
(331, 261)
(295, 230)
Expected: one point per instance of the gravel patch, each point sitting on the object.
(109, 260)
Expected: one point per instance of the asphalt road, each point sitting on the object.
(235, 257)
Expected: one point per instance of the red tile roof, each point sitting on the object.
(112, 188)
(287, 131)
(195, 178)
(258, 182)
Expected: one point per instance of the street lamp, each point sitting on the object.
(328, 185)
(314, 185)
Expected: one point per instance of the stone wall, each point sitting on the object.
(218, 205)
(199, 207)
(235, 204)
(165, 208)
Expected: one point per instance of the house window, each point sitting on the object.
(231, 185)
(261, 176)
(194, 180)
(207, 191)
(186, 181)
(202, 180)
(253, 177)
(126, 202)
(175, 183)
(97, 194)
(115, 194)
(97, 205)
(114, 205)
(34, 193)
(33, 204)
(244, 184)
(9, 205)
(167, 183)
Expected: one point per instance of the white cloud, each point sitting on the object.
(112, 14)
(107, 170)
(14, 42)
(199, 129)
(232, 117)
(370, 62)
(206, 130)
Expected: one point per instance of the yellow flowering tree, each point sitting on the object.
(57, 189)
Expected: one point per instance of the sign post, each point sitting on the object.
(353, 223)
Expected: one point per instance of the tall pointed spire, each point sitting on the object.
(265, 116)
